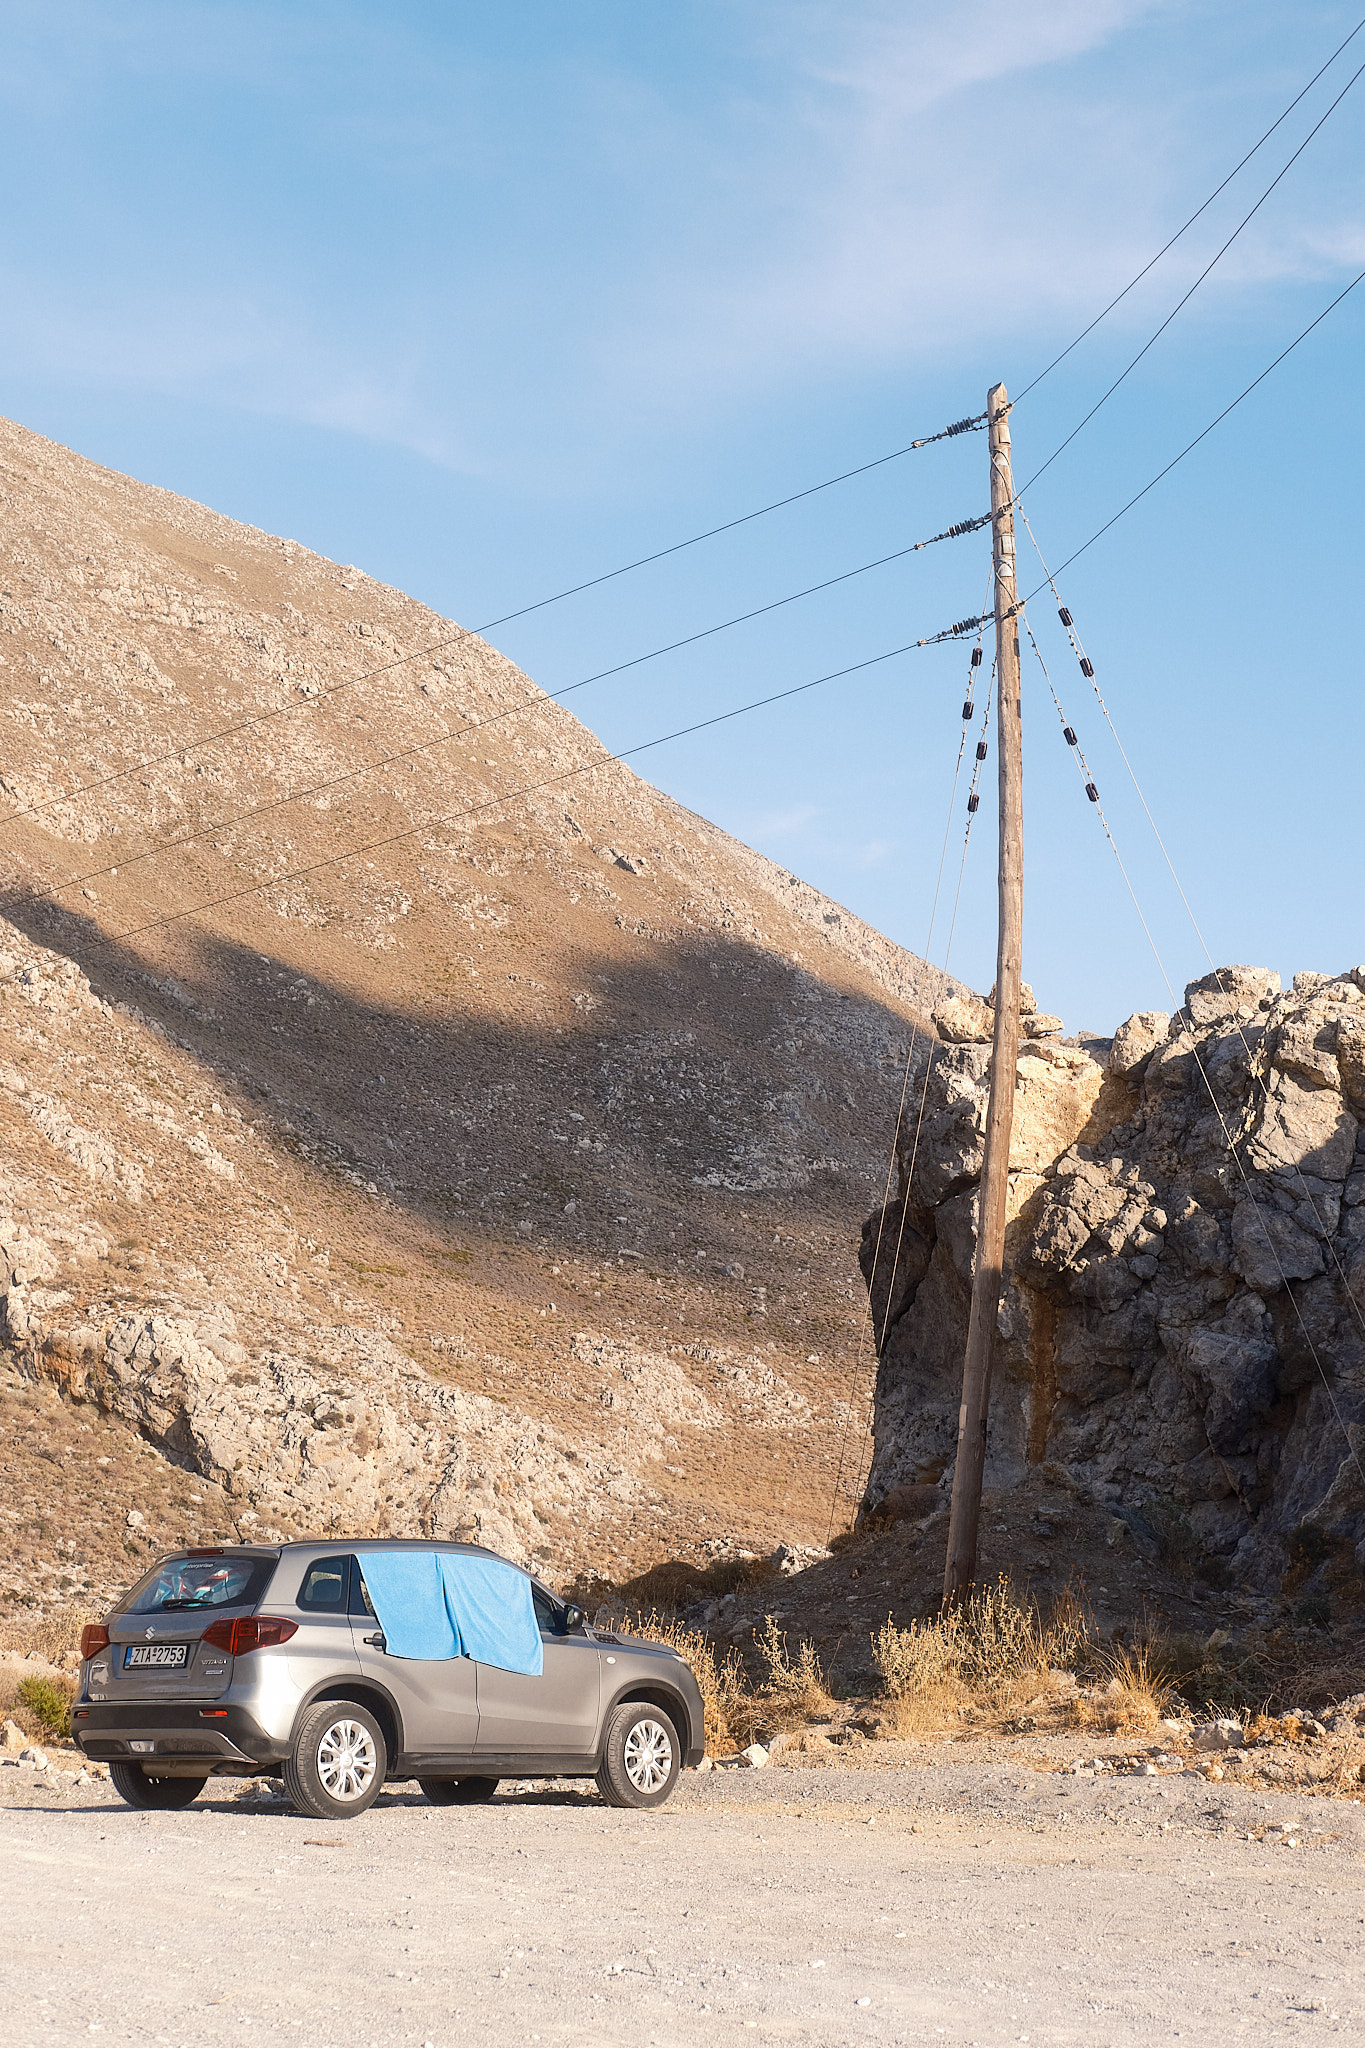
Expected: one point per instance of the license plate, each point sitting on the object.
(161, 1656)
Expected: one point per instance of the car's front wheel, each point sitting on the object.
(459, 1791)
(339, 1761)
(640, 1757)
(131, 1783)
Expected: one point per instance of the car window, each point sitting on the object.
(197, 1582)
(325, 1585)
(360, 1596)
(549, 1616)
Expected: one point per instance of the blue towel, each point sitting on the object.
(438, 1604)
(409, 1602)
(492, 1612)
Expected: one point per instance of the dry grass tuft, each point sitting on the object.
(991, 1653)
(1139, 1692)
(724, 1688)
(794, 1688)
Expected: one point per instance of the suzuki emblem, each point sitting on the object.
(150, 1633)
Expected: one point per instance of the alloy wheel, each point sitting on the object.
(648, 1755)
(346, 1760)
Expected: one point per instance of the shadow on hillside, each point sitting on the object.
(712, 1071)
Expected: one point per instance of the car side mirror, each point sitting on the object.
(574, 1617)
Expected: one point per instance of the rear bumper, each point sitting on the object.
(224, 1740)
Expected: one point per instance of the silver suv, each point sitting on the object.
(235, 1661)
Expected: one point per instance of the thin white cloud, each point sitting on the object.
(922, 210)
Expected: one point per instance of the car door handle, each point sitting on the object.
(375, 1642)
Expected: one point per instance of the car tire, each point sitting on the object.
(132, 1784)
(440, 1791)
(475, 1791)
(459, 1791)
(641, 1756)
(339, 1761)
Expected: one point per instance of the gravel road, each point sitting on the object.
(972, 1904)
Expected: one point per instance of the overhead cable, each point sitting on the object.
(1087, 669)
(452, 818)
(957, 631)
(1166, 247)
(198, 831)
(1190, 446)
(694, 540)
(1181, 1010)
(1184, 301)
(241, 725)
(879, 1337)
(955, 532)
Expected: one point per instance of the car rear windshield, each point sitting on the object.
(191, 1583)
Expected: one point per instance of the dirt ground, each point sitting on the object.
(981, 1903)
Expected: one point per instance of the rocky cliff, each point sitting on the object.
(1182, 1331)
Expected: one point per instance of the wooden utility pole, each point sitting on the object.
(995, 1166)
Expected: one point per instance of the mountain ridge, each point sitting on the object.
(571, 1103)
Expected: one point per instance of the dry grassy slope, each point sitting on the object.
(573, 1103)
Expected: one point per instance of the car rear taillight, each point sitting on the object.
(258, 1632)
(94, 1638)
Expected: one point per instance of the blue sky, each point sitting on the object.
(489, 299)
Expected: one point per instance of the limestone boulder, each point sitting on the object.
(1227, 991)
(1028, 1002)
(1055, 1096)
(964, 1020)
(1303, 1127)
(1136, 1040)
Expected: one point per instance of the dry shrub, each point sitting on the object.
(1138, 1693)
(918, 1669)
(793, 1688)
(725, 1693)
(990, 1651)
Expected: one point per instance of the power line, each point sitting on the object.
(879, 1337)
(1192, 445)
(963, 426)
(514, 710)
(1166, 247)
(605, 760)
(1180, 1010)
(1087, 669)
(462, 633)
(1213, 261)
(956, 631)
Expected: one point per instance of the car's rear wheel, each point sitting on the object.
(640, 1756)
(339, 1761)
(131, 1783)
(459, 1791)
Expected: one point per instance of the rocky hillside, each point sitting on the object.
(478, 1156)
(1183, 1325)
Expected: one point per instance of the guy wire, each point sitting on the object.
(895, 1139)
(1256, 1078)
(1228, 1139)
